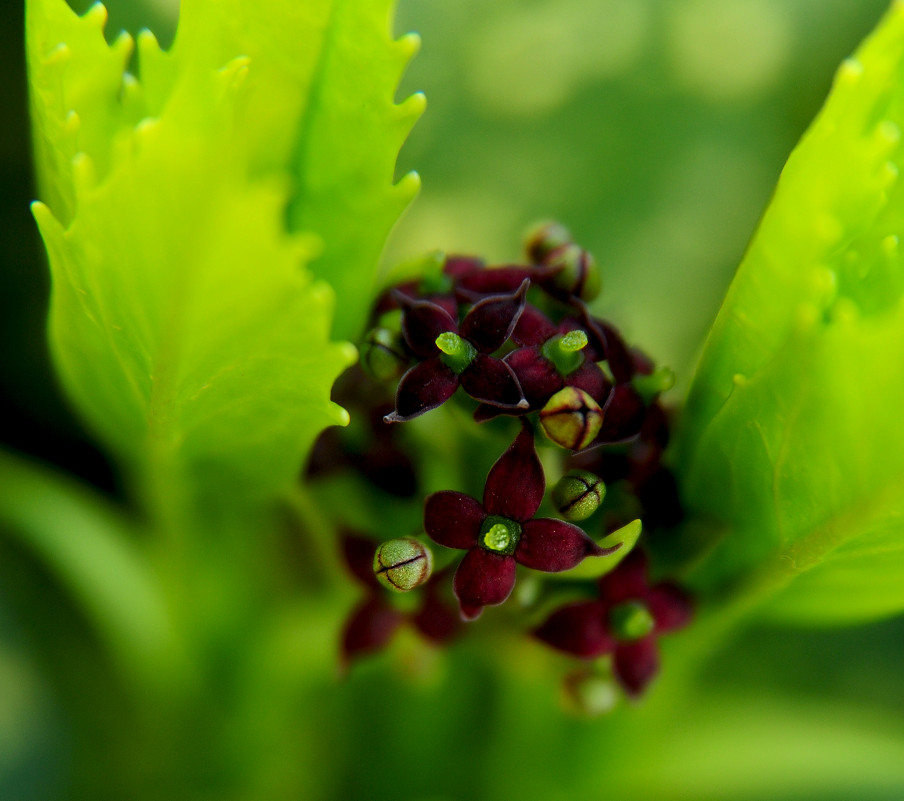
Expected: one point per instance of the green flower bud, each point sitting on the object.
(382, 354)
(591, 693)
(578, 494)
(631, 621)
(403, 564)
(574, 271)
(571, 418)
(543, 239)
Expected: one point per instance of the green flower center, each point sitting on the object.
(565, 351)
(456, 353)
(631, 621)
(500, 535)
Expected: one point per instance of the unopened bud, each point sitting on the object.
(571, 418)
(543, 239)
(574, 272)
(578, 494)
(403, 564)
(590, 693)
(382, 354)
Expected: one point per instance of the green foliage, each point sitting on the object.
(791, 439)
(185, 324)
(87, 545)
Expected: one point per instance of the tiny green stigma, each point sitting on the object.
(457, 353)
(573, 341)
(565, 351)
(631, 621)
(498, 538)
(500, 535)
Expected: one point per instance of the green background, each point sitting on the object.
(656, 131)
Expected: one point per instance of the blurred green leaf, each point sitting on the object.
(184, 324)
(88, 546)
(791, 438)
(595, 568)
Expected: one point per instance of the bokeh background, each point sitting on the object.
(656, 129)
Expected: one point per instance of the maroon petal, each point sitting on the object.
(515, 484)
(424, 387)
(536, 374)
(636, 663)
(369, 628)
(422, 323)
(670, 606)
(490, 322)
(453, 519)
(358, 553)
(533, 327)
(578, 629)
(492, 381)
(457, 267)
(493, 281)
(592, 380)
(619, 358)
(483, 578)
(435, 620)
(623, 415)
(554, 545)
(627, 582)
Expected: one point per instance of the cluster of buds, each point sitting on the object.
(516, 341)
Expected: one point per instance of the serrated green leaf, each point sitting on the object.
(184, 323)
(792, 439)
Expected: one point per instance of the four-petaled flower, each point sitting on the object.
(499, 533)
(453, 354)
(624, 622)
(551, 357)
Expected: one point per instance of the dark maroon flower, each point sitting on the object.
(453, 354)
(624, 622)
(499, 532)
(551, 358)
(374, 621)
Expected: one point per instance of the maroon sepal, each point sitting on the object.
(623, 416)
(579, 629)
(452, 519)
(490, 321)
(422, 322)
(471, 286)
(533, 327)
(636, 664)
(515, 483)
(424, 387)
(369, 628)
(536, 374)
(490, 380)
(358, 554)
(554, 545)
(484, 578)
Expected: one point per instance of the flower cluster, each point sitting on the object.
(516, 341)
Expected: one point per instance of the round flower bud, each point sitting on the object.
(590, 693)
(578, 494)
(543, 239)
(403, 564)
(571, 418)
(574, 271)
(382, 354)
